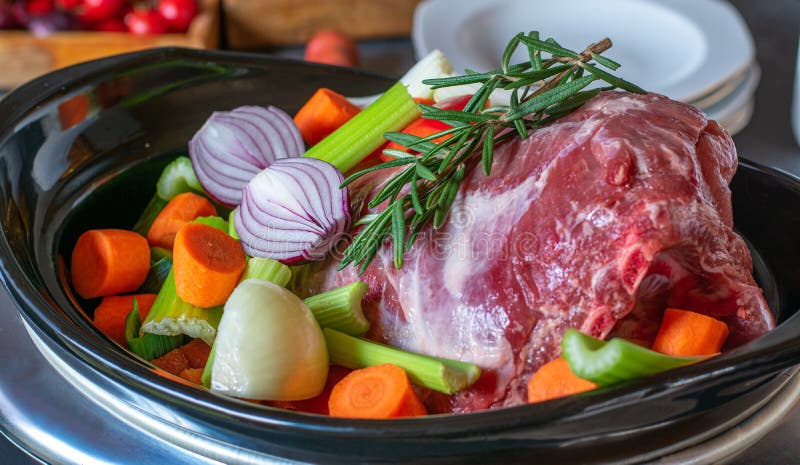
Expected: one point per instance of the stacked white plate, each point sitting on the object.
(697, 51)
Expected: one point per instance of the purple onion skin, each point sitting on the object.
(245, 141)
(293, 211)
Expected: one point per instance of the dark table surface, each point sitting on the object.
(775, 25)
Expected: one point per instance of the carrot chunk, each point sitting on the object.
(182, 209)
(109, 261)
(684, 334)
(379, 391)
(110, 315)
(173, 361)
(192, 374)
(555, 379)
(322, 114)
(207, 264)
(196, 352)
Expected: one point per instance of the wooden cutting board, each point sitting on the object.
(260, 23)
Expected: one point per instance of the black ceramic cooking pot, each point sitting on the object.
(81, 148)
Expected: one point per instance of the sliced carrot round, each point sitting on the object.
(380, 391)
(207, 264)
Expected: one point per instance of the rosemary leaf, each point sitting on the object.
(388, 164)
(415, 194)
(533, 53)
(398, 231)
(510, 48)
(488, 150)
(550, 46)
(607, 62)
(456, 80)
(613, 80)
(424, 172)
(550, 97)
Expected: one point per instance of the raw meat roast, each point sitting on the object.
(598, 222)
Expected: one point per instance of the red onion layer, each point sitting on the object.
(293, 211)
(233, 146)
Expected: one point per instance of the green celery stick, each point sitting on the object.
(214, 222)
(267, 269)
(345, 147)
(178, 177)
(231, 226)
(148, 346)
(156, 276)
(151, 211)
(340, 309)
(170, 315)
(439, 374)
(610, 362)
(157, 253)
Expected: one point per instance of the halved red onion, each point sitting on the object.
(293, 211)
(233, 146)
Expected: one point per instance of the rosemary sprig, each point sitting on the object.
(424, 188)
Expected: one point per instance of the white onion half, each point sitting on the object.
(268, 346)
(293, 211)
(233, 146)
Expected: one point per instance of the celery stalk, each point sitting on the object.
(178, 177)
(610, 362)
(206, 376)
(151, 211)
(231, 226)
(214, 222)
(157, 253)
(267, 269)
(156, 276)
(340, 308)
(439, 374)
(360, 136)
(170, 315)
(148, 346)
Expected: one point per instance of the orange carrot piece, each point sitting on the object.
(207, 264)
(173, 361)
(110, 315)
(109, 261)
(684, 334)
(555, 379)
(192, 374)
(322, 114)
(379, 391)
(182, 209)
(196, 353)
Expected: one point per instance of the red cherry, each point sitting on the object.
(145, 22)
(39, 7)
(94, 11)
(178, 13)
